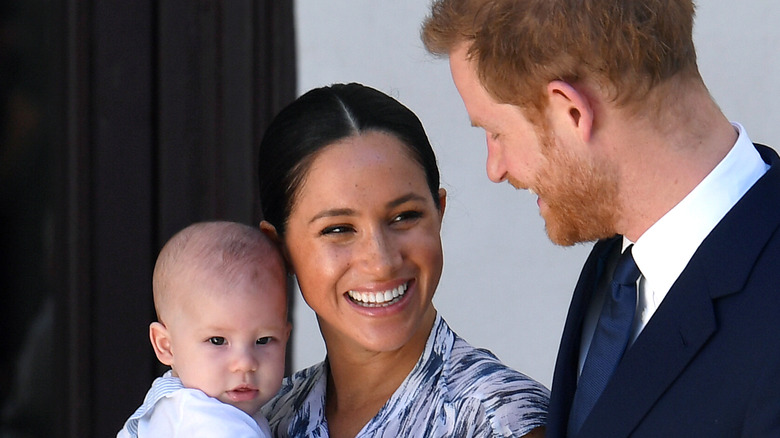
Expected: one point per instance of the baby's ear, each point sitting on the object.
(161, 342)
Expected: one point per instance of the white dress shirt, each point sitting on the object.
(665, 249)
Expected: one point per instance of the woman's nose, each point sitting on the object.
(380, 253)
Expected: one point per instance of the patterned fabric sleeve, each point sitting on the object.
(499, 400)
(455, 390)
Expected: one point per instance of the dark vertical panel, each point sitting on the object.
(185, 99)
(275, 76)
(122, 142)
(275, 69)
(235, 146)
(207, 114)
(73, 235)
(30, 126)
(138, 118)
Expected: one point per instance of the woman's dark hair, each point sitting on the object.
(320, 118)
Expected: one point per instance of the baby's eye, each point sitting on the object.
(264, 340)
(217, 340)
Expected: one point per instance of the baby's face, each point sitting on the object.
(231, 345)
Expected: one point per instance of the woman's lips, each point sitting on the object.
(378, 299)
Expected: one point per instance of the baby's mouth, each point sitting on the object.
(242, 393)
(378, 299)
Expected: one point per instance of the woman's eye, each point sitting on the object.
(336, 229)
(406, 216)
(217, 340)
(264, 340)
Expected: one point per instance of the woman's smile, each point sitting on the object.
(378, 299)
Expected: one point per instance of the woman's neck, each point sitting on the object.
(360, 382)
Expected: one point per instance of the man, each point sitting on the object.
(597, 106)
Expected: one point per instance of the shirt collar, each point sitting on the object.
(664, 250)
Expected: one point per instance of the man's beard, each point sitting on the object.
(580, 194)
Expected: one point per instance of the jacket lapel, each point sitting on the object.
(672, 338)
(566, 364)
(685, 320)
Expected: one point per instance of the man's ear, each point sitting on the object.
(571, 107)
(161, 342)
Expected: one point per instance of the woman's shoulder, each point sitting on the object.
(490, 396)
(301, 396)
(295, 389)
(478, 373)
(481, 366)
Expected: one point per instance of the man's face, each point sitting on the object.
(576, 189)
(514, 146)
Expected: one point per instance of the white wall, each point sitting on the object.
(505, 287)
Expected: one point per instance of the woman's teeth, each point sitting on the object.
(378, 299)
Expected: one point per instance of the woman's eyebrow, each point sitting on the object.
(406, 198)
(333, 213)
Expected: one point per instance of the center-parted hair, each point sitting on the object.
(519, 46)
(324, 116)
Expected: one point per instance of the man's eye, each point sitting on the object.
(264, 340)
(217, 340)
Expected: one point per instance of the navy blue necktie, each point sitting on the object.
(609, 340)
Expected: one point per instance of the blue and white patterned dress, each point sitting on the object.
(455, 390)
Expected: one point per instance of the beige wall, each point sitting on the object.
(505, 287)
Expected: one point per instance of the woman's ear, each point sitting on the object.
(161, 342)
(442, 202)
(571, 108)
(288, 331)
(270, 230)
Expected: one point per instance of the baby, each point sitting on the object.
(220, 295)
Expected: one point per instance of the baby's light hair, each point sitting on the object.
(229, 250)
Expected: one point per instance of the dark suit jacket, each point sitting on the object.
(708, 362)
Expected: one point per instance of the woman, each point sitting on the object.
(350, 188)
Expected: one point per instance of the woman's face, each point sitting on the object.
(363, 239)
